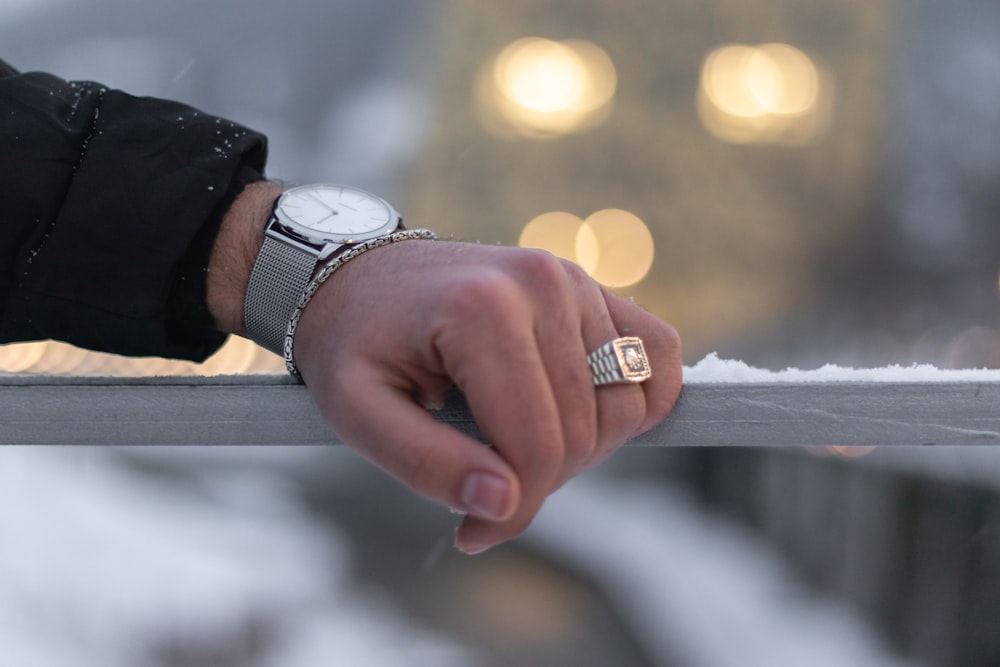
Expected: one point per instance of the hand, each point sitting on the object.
(395, 328)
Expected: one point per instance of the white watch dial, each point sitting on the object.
(336, 213)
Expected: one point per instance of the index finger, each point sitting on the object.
(383, 423)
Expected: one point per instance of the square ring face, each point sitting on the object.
(632, 359)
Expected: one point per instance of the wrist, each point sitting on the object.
(309, 225)
(237, 244)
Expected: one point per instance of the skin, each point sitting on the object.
(394, 329)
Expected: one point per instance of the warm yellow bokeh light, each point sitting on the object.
(724, 80)
(20, 357)
(588, 249)
(784, 80)
(613, 246)
(625, 247)
(238, 355)
(554, 231)
(765, 93)
(542, 88)
(601, 77)
(540, 74)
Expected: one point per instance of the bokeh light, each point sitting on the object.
(770, 93)
(238, 355)
(555, 231)
(624, 248)
(613, 246)
(541, 88)
(540, 75)
(20, 357)
(783, 79)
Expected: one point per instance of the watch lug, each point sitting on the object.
(279, 232)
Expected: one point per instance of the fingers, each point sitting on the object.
(595, 420)
(663, 350)
(511, 329)
(385, 425)
(563, 337)
(497, 364)
(551, 422)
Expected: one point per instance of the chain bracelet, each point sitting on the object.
(328, 270)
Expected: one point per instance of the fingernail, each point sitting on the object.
(472, 550)
(486, 495)
(469, 548)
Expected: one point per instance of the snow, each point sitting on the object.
(712, 369)
(962, 464)
(698, 591)
(101, 566)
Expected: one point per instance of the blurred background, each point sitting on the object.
(788, 183)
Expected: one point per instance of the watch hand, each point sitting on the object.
(317, 198)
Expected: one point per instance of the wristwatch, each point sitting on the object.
(309, 224)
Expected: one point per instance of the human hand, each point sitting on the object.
(395, 328)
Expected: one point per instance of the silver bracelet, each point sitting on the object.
(328, 270)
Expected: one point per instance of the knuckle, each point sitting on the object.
(578, 275)
(538, 263)
(664, 344)
(542, 270)
(480, 293)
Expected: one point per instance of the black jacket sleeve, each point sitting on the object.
(109, 205)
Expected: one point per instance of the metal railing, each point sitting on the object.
(271, 409)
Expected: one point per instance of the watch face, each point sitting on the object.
(335, 213)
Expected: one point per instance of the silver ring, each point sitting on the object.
(621, 361)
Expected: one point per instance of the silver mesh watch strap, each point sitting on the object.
(278, 279)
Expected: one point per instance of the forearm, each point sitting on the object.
(112, 204)
(233, 253)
